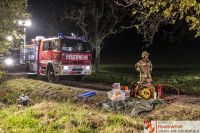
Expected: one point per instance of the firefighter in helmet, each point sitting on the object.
(144, 66)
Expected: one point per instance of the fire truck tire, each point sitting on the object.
(78, 78)
(50, 75)
(31, 76)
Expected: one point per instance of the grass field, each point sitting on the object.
(54, 107)
(52, 117)
(185, 76)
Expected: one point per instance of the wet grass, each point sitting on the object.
(63, 117)
(53, 110)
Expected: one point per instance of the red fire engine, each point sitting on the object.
(57, 57)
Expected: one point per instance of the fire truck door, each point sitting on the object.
(46, 53)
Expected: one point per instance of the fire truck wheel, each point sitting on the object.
(50, 75)
(31, 76)
(78, 78)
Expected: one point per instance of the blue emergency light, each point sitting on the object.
(60, 34)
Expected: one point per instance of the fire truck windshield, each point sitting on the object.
(75, 46)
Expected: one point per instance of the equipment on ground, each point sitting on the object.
(156, 91)
(145, 91)
(23, 100)
(143, 98)
(116, 95)
(88, 94)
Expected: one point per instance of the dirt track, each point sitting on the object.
(82, 85)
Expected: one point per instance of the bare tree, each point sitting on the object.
(145, 21)
(97, 19)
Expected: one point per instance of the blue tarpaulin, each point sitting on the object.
(88, 94)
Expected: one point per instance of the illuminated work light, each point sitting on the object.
(9, 38)
(9, 61)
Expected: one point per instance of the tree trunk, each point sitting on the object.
(97, 58)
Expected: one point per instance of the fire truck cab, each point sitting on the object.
(58, 57)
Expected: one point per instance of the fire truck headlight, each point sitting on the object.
(87, 67)
(9, 61)
(66, 68)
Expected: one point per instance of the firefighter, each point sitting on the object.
(144, 66)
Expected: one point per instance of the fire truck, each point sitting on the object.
(57, 57)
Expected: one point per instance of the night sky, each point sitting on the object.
(128, 44)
